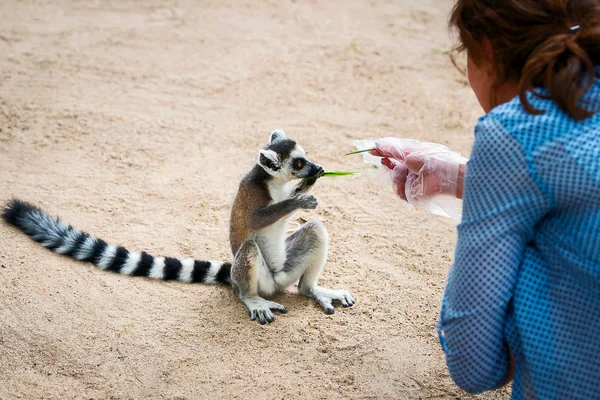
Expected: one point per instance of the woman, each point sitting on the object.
(523, 295)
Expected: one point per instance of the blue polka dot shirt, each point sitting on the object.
(526, 272)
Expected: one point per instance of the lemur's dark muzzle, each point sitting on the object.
(316, 170)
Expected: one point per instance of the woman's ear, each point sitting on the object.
(488, 56)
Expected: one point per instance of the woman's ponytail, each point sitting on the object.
(562, 67)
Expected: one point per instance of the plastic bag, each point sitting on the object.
(437, 160)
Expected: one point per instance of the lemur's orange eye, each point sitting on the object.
(299, 164)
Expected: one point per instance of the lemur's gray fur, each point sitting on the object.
(265, 260)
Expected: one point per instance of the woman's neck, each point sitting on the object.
(506, 92)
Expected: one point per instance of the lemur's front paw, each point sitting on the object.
(326, 297)
(307, 201)
(260, 309)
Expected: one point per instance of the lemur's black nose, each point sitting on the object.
(319, 170)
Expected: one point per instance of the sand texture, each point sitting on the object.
(134, 121)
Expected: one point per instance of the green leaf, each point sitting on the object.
(359, 151)
(339, 173)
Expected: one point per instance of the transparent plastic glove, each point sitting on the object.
(426, 175)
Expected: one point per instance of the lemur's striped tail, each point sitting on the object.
(61, 237)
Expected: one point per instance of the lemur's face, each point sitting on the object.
(286, 160)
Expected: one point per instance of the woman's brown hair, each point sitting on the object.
(552, 44)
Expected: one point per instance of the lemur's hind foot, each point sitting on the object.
(325, 297)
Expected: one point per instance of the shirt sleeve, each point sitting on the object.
(501, 205)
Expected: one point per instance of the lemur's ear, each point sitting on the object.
(276, 135)
(269, 161)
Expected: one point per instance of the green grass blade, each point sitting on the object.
(339, 173)
(359, 151)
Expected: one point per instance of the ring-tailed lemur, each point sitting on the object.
(265, 260)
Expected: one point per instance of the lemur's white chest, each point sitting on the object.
(279, 192)
(271, 239)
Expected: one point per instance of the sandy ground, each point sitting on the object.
(134, 120)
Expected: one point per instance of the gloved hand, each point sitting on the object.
(421, 170)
